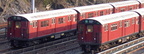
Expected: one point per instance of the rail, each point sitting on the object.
(131, 48)
(122, 48)
(3, 25)
(47, 46)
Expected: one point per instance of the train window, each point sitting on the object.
(130, 8)
(61, 20)
(137, 6)
(133, 21)
(44, 23)
(120, 23)
(111, 10)
(122, 9)
(142, 5)
(143, 17)
(75, 17)
(90, 15)
(81, 27)
(137, 22)
(9, 24)
(106, 27)
(113, 27)
(107, 11)
(101, 13)
(89, 28)
(34, 24)
(53, 20)
(96, 13)
(127, 23)
(69, 18)
(18, 24)
(83, 15)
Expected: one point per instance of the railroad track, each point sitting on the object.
(3, 38)
(137, 51)
(125, 48)
(3, 25)
(59, 46)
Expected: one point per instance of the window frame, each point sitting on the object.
(69, 18)
(90, 28)
(45, 23)
(90, 15)
(9, 24)
(61, 20)
(133, 21)
(17, 24)
(114, 27)
(127, 23)
(106, 27)
(34, 24)
(101, 13)
(131, 8)
(121, 24)
(122, 9)
(83, 15)
(53, 20)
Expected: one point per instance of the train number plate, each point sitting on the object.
(57, 36)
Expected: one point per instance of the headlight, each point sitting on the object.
(10, 33)
(82, 38)
(94, 38)
(52, 36)
(62, 34)
(21, 34)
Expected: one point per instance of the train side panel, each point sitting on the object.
(105, 33)
(17, 28)
(44, 27)
(98, 34)
(142, 23)
(130, 26)
(141, 18)
(33, 29)
(74, 20)
(141, 3)
(114, 31)
(93, 10)
(125, 6)
(60, 24)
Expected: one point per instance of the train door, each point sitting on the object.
(89, 33)
(69, 22)
(16, 28)
(10, 28)
(81, 31)
(24, 29)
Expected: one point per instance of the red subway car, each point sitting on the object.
(110, 29)
(34, 28)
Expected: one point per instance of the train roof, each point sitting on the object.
(47, 14)
(124, 3)
(114, 17)
(141, 1)
(89, 8)
(140, 11)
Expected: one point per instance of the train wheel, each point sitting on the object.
(14, 44)
(92, 52)
(87, 48)
(31, 43)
